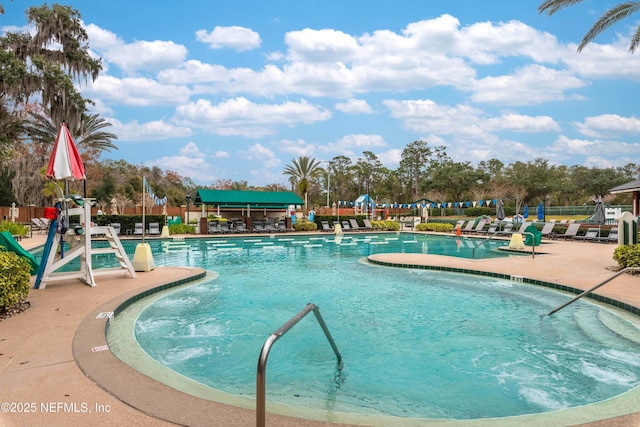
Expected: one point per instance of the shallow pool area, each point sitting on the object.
(412, 341)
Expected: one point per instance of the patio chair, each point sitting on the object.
(258, 227)
(367, 224)
(612, 237)
(225, 227)
(213, 227)
(507, 228)
(326, 226)
(493, 227)
(547, 230)
(138, 229)
(590, 235)
(571, 231)
(469, 227)
(480, 226)
(37, 225)
(116, 227)
(154, 229)
(345, 226)
(354, 225)
(241, 227)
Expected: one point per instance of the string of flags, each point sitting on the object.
(432, 205)
(158, 201)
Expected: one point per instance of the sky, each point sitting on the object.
(237, 90)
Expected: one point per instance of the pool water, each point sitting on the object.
(415, 343)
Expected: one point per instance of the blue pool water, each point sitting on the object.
(415, 343)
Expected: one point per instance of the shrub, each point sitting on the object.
(434, 226)
(627, 255)
(13, 228)
(14, 280)
(305, 226)
(391, 225)
(181, 229)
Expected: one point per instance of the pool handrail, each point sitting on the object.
(264, 354)
(588, 291)
(533, 246)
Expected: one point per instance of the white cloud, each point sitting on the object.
(426, 116)
(521, 123)
(234, 37)
(239, 116)
(137, 56)
(260, 153)
(608, 125)
(530, 85)
(137, 91)
(296, 148)
(354, 106)
(190, 162)
(151, 131)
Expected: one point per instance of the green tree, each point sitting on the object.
(415, 159)
(48, 63)
(609, 18)
(303, 169)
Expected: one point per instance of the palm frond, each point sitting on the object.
(610, 17)
(552, 6)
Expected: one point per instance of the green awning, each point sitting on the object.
(242, 199)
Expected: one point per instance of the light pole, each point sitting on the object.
(328, 180)
(188, 197)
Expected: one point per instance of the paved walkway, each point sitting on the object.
(39, 357)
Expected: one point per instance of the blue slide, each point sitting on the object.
(7, 240)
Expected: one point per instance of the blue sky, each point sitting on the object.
(236, 90)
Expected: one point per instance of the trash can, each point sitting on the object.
(532, 236)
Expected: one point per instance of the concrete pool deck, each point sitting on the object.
(43, 348)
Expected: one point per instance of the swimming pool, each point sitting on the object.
(411, 356)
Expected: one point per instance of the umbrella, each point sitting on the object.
(525, 214)
(598, 213)
(541, 212)
(65, 162)
(500, 210)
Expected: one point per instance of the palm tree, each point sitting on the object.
(610, 17)
(303, 170)
(88, 135)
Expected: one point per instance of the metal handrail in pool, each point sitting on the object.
(588, 291)
(533, 246)
(264, 354)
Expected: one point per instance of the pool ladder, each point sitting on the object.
(264, 354)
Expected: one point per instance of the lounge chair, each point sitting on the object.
(258, 227)
(354, 225)
(282, 226)
(469, 227)
(213, 227)
(612, 237)
(507, 229)
(241, 227)
(547, 230)
(480, 226)
(367, 224)
(116, 227)
(37, 225)
(326, 226)
(571, 231)
(345, 226)
(590, 235)
(138, 230)
(493, 227)
(154, 229)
